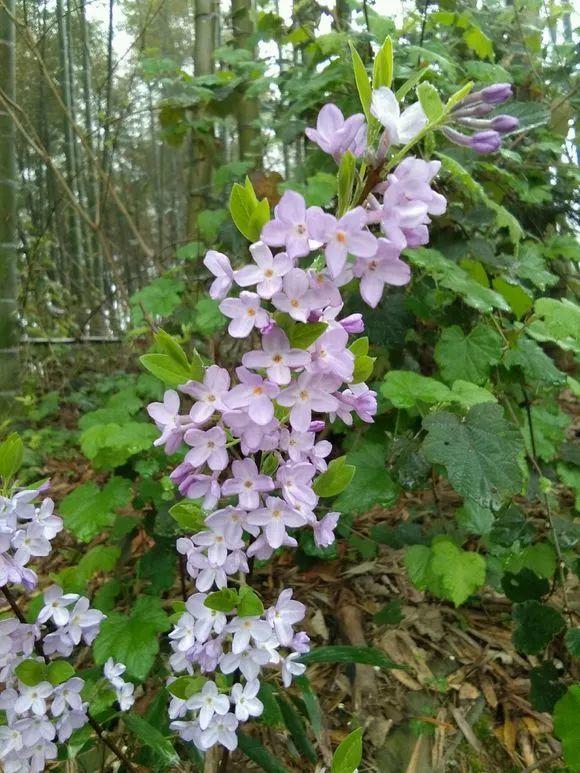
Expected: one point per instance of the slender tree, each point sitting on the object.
(9, 372)
(248, 109)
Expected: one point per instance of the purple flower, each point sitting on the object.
(246, 629)
(274, 518)
(284, 615)
(495, 94)
(310, 392)
(335, 136)
(288, 228)
(330, 355)
(277, 357)
(207, 446)
(354, 323)
(385, 268)
(245, 700)
(504, 123)
(217, 544)
(247, 483)
(348, 234)
(485, 142)
(56, 606)
(295, 480)
(249, 661)
(219, 265)
(208, 702)
(267, 273)
(296, 298)
(324, 530)
(245, 313)
(360, 399)
(254, 393)
(194, 485)
(209, 395)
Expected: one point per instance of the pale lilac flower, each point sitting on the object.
(249, 661)
(207, 446)
(277, 357)
(220, 267)
(255, 394)
(166, 417)
(400, 128)
(329, 353)
(288, 227)
(245, 313)
(208, 702)
(354, 323)
(325, 293)
(125, 695)
(244, 698)
(195, 485)
(335, 135)
(324, 530)
(285, 614)
(221, 730)
(296, 297)
(10, 741)
(267, 273)
(262, 550)
(291, 667)
(247, 483)
(58, 642)
(69, 722)
(30, 542)
(310, 392)
(217, 544)
(300, 642)
(206, 620)
(358, 398)
(209, 395)
(113, 672)
(205, 572)
(348, 234)
(33, 698)
(295, 480)
(56, 606)
(246, 629)
(274, 518)
(414, 176)
(385, 268)
(44, 515)
(67, 696)
(232, 521)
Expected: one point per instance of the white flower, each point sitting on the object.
(10, 741)
(246, 628)
(400, 127)
(113, 671)
(55, 605)
(67, 694)
(209, 702)
(291, 668)
(221, 730)
(33, 698)
(125, 696)
(245, 700)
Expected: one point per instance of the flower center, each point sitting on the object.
(248, 484)
(210, 444)
(257, 390)
(251, 312)
(268, 273)
(300, 229)
(341, 236)
(303, 394)
(294, 303)
(277, 358)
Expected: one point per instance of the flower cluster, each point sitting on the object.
(123, 690)
(471, 113)
(25, 532)
(42, 697)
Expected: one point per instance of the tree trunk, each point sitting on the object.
(248, 111)
(9, 370)
(201, 143)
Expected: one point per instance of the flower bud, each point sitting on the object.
(485, 142)
(497, 93)
(504, 123)
(354, 323)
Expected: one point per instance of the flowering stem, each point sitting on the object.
(121, 756)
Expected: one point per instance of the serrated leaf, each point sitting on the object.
(417, 561)
(340, 653)
(467, 357)
(524, 585)
(460, 572)
(132, 638)
(479, 453)
(371, 484)
(474, 518)
(406, 389)
(546, 688)
(335, 479)
(567, 727)
(88, 510)
(537, 624)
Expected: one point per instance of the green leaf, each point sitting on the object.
(467, 357)
(546, 687)
(164, 367)
(417, 562)
(335, 479)
(478, 41)
(371, 484)
(454, 278)
(189, 515)
(474, 518)
(258, 754)
(311, 703)
(132, 638)
(535, 364)
(250, 603)
(87, 511)
(302, 335)
(572, 640)
(159, 298)
(295, 725)
(185, 686)
(346, 173)
(559, 321)
(480, 453)
(383, 66)
(410, 84)
(11, 456)
(518, 299)
(524, 586)
(362, 82)
(248, 214)
(271, 716)
(151, 737)
(207, 318)
(539, 558)
(430, 101)
(360, 346)
(223, 600)
(390, 614)
(406, 389)
(348, 755)
(537, 624)
(468, 395)
(31, 672)
(168, 345)
(363, 368)
(58, 671)
(567, 727)
(340, 653)
(460, 572)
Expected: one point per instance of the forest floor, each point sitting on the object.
(461, 700)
